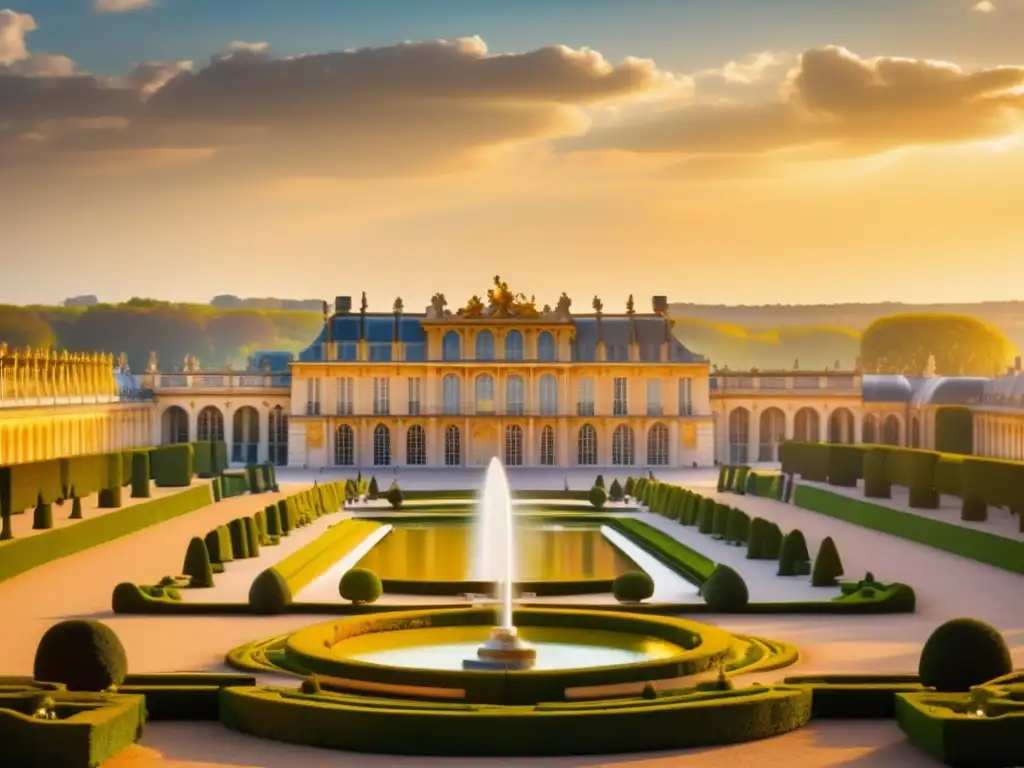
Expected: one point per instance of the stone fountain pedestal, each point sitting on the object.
(503, 650)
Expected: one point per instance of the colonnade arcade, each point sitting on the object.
(999, 435)
(248, 440)
(516, 445)
(107, 428)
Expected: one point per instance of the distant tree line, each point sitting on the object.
(896, 344)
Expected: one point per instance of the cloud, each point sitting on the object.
(400, 109)
(15, 58)
(984, 6)
(120, 6)
(835, 98)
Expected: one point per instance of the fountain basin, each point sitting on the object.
(575, 648)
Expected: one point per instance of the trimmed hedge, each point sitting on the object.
(172, 465)
(954, 430)
(977, 545)
(20, 555)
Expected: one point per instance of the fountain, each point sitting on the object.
(494, 561)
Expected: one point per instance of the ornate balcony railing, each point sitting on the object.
(222, 381)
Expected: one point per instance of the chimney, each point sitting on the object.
(1016, 364)
(342, 305)
(660, 305)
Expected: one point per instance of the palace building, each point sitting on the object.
(543, 387)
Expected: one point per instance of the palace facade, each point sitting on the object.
(497, 377)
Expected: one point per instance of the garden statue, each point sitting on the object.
(929, 368)
(151, 362)
(796, 364)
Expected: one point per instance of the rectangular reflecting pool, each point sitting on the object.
(546, 552)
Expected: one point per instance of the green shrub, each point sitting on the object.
(706, 519)
(771, 547)
(197, 564)
(394, 496)
(599, 482)
(140, 475)
(963, 653)
(274, 521)
(215, 485)
(876, 477)
(739, 482)
(171, 465)
(269, 593)
(738, 527)
(310, 686)
(218, 545)
(725, 591)
(954, 430)
(267, 472)
(110, 494)
(723, 478)
(286, 516)
(83, 654)
(615, 493)
(922, 466)
(42, 519)
(720, 521)
(76, 506)
(793, 553)
(373, 491)
(809, 460)
(261, 525)
(845, 464)
(756, 538)
(632, 587)
(630, 487)
(252, 536)
(239, 539)
(360, 585)
(649, 692)
(827, 565)
(598, 497)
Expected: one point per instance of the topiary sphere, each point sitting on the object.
(963, 653)
(360, 585)
(725, 590)
(633, 587)
(598, 496)
(83, 654)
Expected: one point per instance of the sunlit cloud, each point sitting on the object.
(121, 6)
(984, 6)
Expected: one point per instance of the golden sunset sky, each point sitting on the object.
(735, 151)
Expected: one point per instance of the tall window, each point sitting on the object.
(451, 388)
(657, 445)
(313, 397)
(380, 351)
(278, 423)
(344, 446)
(514, 345)
(547, 446)
(513, 445)
(586, 446)
(415, 446)
(685, 396)
(348, 351)
(585, 399)
(654, 397)
(620, 396)
(452, 446)
(514, 395)
(346, 395)
(546, 349)
(451, 346)
(381, 396)
(548, 394)
(485, 393)
(622, 446)
(485, 345)
(415, 386)
(381, 446)
(210, 425)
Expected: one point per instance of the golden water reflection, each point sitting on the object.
(441, 552)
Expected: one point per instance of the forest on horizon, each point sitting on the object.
(739, 338)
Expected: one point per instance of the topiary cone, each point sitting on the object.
(794, 550)
(76, 505)
(197, 564)
(725, 591)
(140, 475)
(827, 565)
(42, 519)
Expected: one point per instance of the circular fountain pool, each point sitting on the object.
(445, 648)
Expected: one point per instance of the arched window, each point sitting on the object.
(514, 403)
(344, 446)
(210, 425)
(277, 423)
(739, 435)
(869, 429)
(452, 446)
(657, 445)
(451, 346)
(485, 345)
(514, 345)
(485, 393)
(891, 430)
(622, 446)
(174, 424)
(772, 428)
(381, 446)
(548, 394)
(841, 426)
(452, 390)
(513, 445)
(245, 445)
(415, 446)
(586, 446)
(547, 446)
(546, 349)
(807, 426)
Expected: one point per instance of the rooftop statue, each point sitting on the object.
(630, 307)
(501, 302)
(598, 305)
(563, 306)
(151, 362)
(439, 304)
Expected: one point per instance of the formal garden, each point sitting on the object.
(622, 590)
